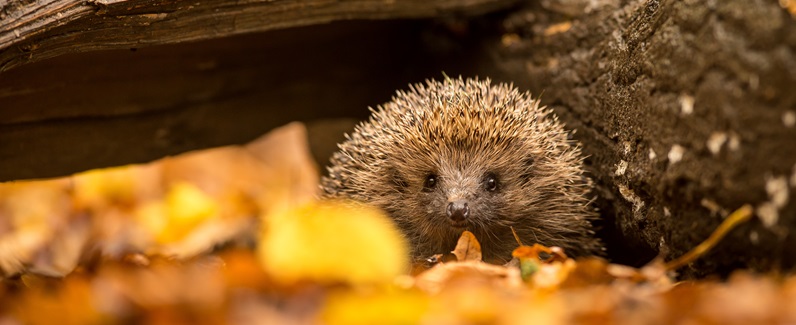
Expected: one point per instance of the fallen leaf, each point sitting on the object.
(330, 242)
(72, 303)
(590, 271)
(394, 307)
(183, 209)
(125, 186)
(32, 214)
(467, 248)
(440, 276)
(290, 174)
(531, 260)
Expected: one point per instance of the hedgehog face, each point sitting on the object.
(474, 190)
(465, 154)
(478, 190)
(459, 198)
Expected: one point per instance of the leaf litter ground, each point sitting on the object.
(233, 235)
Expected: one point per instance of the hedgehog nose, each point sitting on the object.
(458, 210)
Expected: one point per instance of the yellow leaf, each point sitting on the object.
(188, 205)
(112, 186)
(152, 216)
(185, 207)
(330, 242)
(351, 307)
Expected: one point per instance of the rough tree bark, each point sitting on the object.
(33, 30)
(687, 110)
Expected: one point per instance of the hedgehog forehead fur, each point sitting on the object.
(461, 122)
(465, 134)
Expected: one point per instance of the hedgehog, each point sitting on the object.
(454, 155)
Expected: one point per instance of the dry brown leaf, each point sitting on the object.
(216, 196)
(165, 282)
(180, 206)
(551, 260)
(556, 254)
(467, 248)
(290, 174)
(588, 272)
(32, 215)
(441, 275)
(71, 303)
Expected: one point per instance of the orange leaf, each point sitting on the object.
(468, 248)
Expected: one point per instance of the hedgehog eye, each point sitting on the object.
(430, 183)
(490, 182)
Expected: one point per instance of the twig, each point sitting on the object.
(738, 217)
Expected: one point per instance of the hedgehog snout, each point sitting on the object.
(458, 210)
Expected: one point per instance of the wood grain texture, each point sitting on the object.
(104, 108)
(34, 30)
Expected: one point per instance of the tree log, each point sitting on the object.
(40, 29)
(687, 110)
(90, 109)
